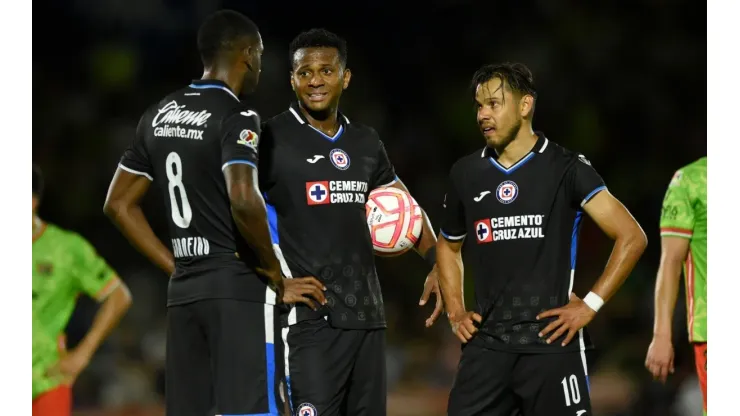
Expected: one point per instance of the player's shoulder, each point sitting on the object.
(471, 162)
(694, 172)
(560, 153)
(281, 120)
(64, 235)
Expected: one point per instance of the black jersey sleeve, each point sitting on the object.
(240, 138)
(135, 158)
(384, 174)
(453, 222)
(583, 182)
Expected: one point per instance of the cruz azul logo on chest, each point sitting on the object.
(339, 158)
(515, 227)
(335, 192)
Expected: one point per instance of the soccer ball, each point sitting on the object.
(394, 219)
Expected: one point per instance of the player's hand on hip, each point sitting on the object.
(69, 367)
(570, 318)
(463, 325)
(431, 285)
(659, 360)
(306, 290)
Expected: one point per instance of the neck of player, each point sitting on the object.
(232, 80)
(326, 121)
(516, 149)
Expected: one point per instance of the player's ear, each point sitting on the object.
(347, 76)
(292, 82)
(526, 105)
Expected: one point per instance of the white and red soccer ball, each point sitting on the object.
(394, 219)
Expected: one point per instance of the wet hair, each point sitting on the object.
(516, 76)
(319, 38)
(220, 33)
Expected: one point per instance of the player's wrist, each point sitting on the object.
(593, 301)
(431, 256)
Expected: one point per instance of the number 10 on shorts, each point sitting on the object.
(570, 390)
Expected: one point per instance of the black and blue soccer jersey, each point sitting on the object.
(316, 187)
(182, 144)
(520, 227)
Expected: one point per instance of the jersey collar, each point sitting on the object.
(343, 121)
(539, 147)
(201, 84)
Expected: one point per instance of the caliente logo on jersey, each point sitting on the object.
(339, 158)
(507, 192)
(306, 409)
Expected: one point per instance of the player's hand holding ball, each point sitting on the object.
(571, 317)
(463, 325)
(659, 359)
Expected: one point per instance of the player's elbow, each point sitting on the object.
(634, 239)
(112, 208)
(121, 298)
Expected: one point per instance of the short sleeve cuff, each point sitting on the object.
(592, 194)
(675, 232)
(452, 236)
(135, 172)
(239, 162)
(109, 287)
(392, 182)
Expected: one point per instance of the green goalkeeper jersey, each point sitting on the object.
(65, 265)
(685, 215)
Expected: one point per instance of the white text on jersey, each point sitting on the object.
(190, 247)
(172, 113)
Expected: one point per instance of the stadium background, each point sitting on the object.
(624, 83)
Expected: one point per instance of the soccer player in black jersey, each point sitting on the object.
(317, 167)
(520, 201)
(199, 145)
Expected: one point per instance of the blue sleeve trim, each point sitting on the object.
(239, 162)
(591, 195)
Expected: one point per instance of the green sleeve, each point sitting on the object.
(94, 277)
(677, 216)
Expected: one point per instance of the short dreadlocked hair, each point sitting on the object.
(319, 38)
(516, 76)
(220, 32)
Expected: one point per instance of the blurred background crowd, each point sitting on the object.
(621, 82)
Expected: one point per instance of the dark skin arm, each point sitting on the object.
(674, 251)
(630, 242)
(427, 240)
(449, 261)
(123, 209)
(250, 216)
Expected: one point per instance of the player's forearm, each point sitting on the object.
(250, 216)
(450, 266)
(131, 221)
(628, 247)
(666, 293)
(427, 239)
(110, 312)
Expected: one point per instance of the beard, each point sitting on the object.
(507, 137)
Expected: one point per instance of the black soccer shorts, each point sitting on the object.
(224, 357)
(333, 372)
(497, 383)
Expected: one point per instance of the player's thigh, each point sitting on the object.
(245, 357)
(553, 384)
(700, 357)
(188, 388)
(481, 384)
(320, 362)
(366, 394)
(56, 402)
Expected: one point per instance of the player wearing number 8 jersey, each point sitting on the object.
(199, 145)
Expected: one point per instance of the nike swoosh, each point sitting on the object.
(315, 159)
(580, 412)
(482, 194)
(248, 113)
